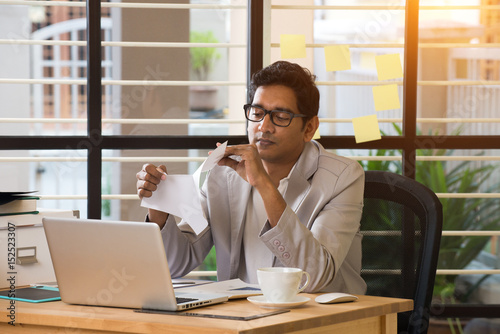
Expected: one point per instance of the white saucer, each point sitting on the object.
(262, 302)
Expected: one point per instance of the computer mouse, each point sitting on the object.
(335, 297)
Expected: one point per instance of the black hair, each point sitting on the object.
(291, 75)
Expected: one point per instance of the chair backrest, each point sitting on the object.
(401, 225)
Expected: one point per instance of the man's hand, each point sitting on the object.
(148, 179)
(250, 167)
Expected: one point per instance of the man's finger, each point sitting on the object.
(154, 171)
(147, 185)
(144, 193)
(228, 162)
(163, 170)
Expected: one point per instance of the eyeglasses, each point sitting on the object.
(278, 117)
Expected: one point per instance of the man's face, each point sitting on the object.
(277, 144)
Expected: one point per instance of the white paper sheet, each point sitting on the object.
(233, 288)
(179, 194)
(214, 157)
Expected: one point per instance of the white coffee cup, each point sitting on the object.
(280, 285)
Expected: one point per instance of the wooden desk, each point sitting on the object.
(367, 315)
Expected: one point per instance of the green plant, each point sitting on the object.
(209, 264)
(106, 190)
(459, 214)
(203, 59)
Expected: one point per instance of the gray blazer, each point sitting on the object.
(318, 231)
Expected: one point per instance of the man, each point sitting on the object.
(286, 202)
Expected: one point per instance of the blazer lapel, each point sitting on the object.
(298, 184)
(239, 193)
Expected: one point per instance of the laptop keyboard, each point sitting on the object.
(181, 300)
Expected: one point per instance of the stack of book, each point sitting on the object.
(18, 203)
(24, 253)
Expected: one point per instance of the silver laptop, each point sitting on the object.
(115, 263)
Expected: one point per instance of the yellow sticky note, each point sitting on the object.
(293, 46)
(367, 60)
(337, 57)
(366, 128)
(386, 97)
(316, 134)
(389, 66)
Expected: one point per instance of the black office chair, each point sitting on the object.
(401, 225)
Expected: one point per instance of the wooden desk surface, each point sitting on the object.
(367, 315)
